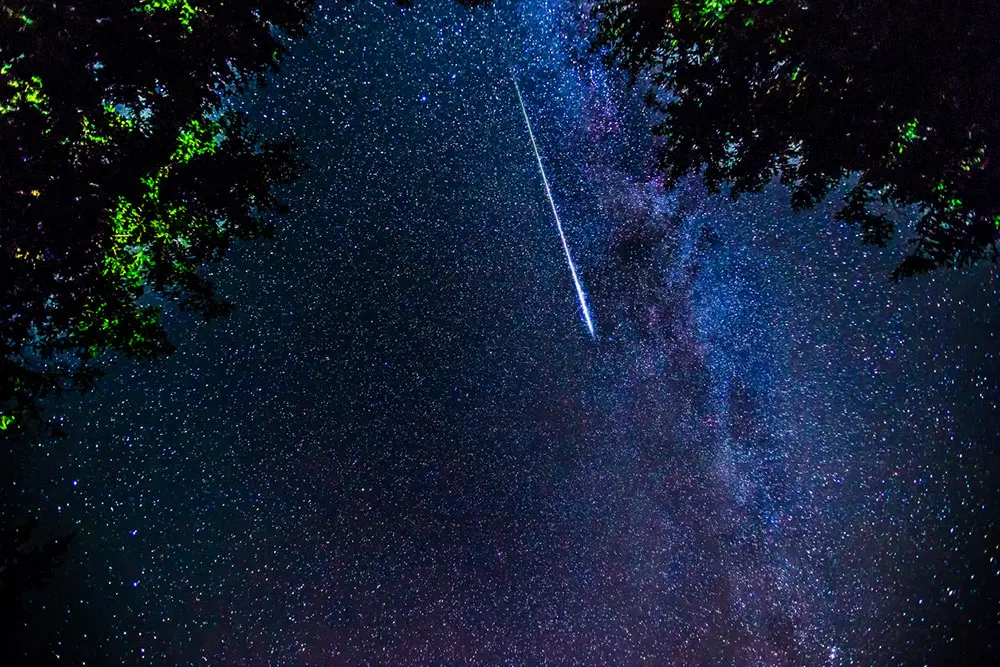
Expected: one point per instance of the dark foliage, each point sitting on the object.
(124, 172)
(900, 96)
(24, 567)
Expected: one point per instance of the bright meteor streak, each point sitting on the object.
(548, 193)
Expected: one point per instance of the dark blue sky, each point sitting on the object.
(404, 447)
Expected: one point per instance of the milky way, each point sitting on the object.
(398, 451)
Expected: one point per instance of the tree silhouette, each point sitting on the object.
(899, 97)
(24, 568)
(125, 171)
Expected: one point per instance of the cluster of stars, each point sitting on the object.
(400, 449)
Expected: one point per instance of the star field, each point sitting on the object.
(404, 447)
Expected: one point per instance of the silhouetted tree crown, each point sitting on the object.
(901, 95)
(124, 172)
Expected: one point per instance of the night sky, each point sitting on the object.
(405, 448)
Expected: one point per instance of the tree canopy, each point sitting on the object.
(898, 99)
(125, 171)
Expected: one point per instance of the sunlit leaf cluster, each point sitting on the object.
(186, 12)
(19, 93)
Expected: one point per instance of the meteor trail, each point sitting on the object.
(548, 193)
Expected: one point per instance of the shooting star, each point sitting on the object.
(548, 193)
